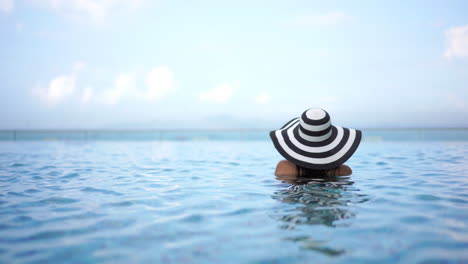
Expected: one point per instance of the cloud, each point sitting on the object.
(59, 89)
(219, 94)
(456, 42)
(262, 98)
(95, 10)
(124, 86)
(159, 82)
(87, 95)
(6, 6)
(329, 18)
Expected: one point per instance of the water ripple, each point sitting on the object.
(103, 191)
(48, 201)
(204, 202)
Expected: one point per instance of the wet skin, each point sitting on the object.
(287, 168)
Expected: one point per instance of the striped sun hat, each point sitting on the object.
(311, 141)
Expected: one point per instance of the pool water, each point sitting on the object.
(219, 202)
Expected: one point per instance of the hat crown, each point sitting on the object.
(315, 125)
(315, 114)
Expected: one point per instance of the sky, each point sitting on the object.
(100, 64)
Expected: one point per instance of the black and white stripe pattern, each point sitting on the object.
(313, 142)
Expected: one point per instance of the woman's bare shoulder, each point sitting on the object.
(287, 168)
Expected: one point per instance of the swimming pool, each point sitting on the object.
(218, 201)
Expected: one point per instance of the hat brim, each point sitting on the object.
(327, 154)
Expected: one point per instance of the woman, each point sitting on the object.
(313, 147)
(287, 168)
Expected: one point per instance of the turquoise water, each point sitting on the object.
(219, 202)
(454, 134)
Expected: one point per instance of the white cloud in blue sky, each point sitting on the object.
(64, 88)
(263, 98)
(218, 95)
(85, 10)
(160, 82)
(85, 64)
(124, 85)
(457, 42)
(59, 88)
(6, 6)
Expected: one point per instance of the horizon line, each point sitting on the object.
(206, 129)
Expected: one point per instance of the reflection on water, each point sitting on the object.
(320, 201)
